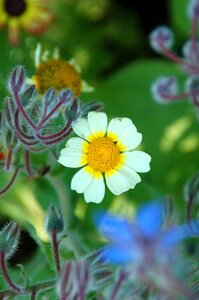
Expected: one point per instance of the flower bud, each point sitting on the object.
(192, 87)
(191, 51)
(74, 111)
(11, 140)
(66, 96)
(92, 106)
(192, 84)
(164, 88)
(28, 96)
(54, 220)
(193, 9)
(191, 190)
(161, 37)
(9, 239)
(17, 79)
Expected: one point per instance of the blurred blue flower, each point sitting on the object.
(142, 240)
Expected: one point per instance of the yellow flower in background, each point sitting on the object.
(58, 74)
(104, 151)
(29, 15)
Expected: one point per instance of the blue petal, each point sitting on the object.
(149, 218)
(115, 229)
(175, 235)
(116, 255)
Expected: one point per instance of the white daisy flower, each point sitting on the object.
(105, 151)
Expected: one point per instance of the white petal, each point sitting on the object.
(131, 175)
(117, 126)
(81, 128)
(138, 160)
(96, 190)
(122, 180)
(97, 123)
(81, 181)
(124, 131)
(76, 143)
(86, 87)
(37, 55)
(130, 138)
(70, 158)
(117, 183)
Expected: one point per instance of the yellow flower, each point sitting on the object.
(29, 15)
(57, 73)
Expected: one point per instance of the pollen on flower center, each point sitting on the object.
(103, 154)
(15, 7)
(57, 74)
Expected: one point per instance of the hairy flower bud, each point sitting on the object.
(54, 220)
(11, 140)
(92, 106)
(17, 79)
(192, 84)
(193, 9)
(191, 190)
(9, 239)
(164, 88)
(161, 37)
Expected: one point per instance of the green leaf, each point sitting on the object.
(180, 21)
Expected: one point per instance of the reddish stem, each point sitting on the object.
(8, 159)
(121, 278)
(18, 129)
(5, 274)
(6, 188)
(33, 295)
(194, 30)
(55, 249)
(59, 139)
(23, 112)
(169, 54)
(27, 162)
(56, 135)
(46, 118)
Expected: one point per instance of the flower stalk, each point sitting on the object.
(6, 276)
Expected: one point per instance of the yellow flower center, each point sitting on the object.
(57, 74)
(103, 155)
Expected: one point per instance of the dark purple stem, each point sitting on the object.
(27, 162)
(6, 188)
(56, 135)
(194, 29)
(189, 209)
(8, 159)
(121, 278)
(18, 129)
(169, 54)
(22, 111)
(5, 274)
(58, 139)
(46, 118)
(192, 94)
(55, 249)
(33, 295)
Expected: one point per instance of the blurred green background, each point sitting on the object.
(109, 39)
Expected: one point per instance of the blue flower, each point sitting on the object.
(141, 240)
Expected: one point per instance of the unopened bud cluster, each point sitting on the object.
(164, 90)
(31, 123)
